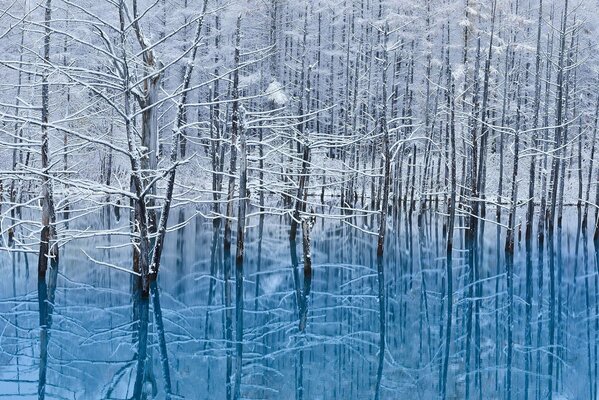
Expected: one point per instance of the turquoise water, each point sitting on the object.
(92, 338)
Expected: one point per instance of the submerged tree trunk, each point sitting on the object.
(535, 124)
(304, 175)
(46, 296)
(237, 130)
(451, 209)
(148, 100)
(386, 151)
(48, 247)
(177, 135)
(307, 224)
(590, 172)
(509, 255)
(559, 117)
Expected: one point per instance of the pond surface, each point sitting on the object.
(86, 337)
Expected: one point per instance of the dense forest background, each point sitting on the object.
(89, 90)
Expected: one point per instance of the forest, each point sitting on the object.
(310, 199)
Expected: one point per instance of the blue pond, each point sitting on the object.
(90, 336)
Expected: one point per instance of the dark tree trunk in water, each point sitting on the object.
(307, 224)
(46, 296)
(164, 363)
(509, 253)
(555, 166)
(535, 124)
(590, 172)
(48, 247)
(148, 102)
(383, 221)
(386, 151)
(451, 209)
(303, 180)
(177, 135)
(237, 130)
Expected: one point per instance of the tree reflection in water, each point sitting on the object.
(342, 324)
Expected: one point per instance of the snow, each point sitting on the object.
(276, 94)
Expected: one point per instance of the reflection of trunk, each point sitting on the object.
(166, 374)
(423, 292)
(382, 325)
(240, 225)
(298, 301)
(559, 330)
(560, 135)
(540, 317)
(585, 255)
(480, 262)
(471, 301)
(303, 296)
(42, 290)
(450, 226)
(471, 233)
(214, 259)
(46, 294)
(306, 245)
(528, 326)
(48, 234)
(227, 241)
(228, 319)
(296, 280)
(596, 324)
(16, 315)
(259, 261)
(509, 255)
(142, 305)
(551, 334)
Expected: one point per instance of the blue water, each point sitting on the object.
(88, 338)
